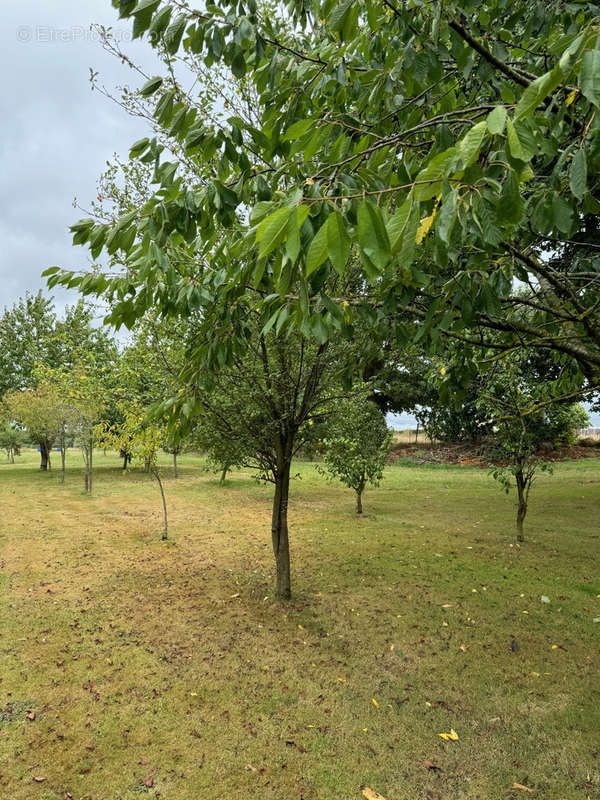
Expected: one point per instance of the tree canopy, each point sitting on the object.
(449, 147)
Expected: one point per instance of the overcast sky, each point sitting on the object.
(56, 133)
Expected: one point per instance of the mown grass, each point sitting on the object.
(168, 670)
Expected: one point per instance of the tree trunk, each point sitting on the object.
(165, 533)
(147, 465)
(63, 456)
(279, 530)
(522, 507)
(224, 473)
(359, 509)
(90, 466)
(45, 456)
(125, 457)
(175, 468)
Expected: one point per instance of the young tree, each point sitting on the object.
(357, 444)
(258, 411)
(524, 418)
(37, 410)
(11, 441)
(142, 440)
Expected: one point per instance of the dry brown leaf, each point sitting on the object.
(250, 768)
(430, 765)
(31, 716)
(522, 788)
(371, 795)
(39, 780)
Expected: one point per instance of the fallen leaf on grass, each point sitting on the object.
(39, 780)
(250, 768)
(430, 765)
(522, 788)
(449, 737)
(148, 782)
(375, 703)
(371, 795)
(31, 716)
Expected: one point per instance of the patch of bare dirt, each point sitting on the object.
(475, 455)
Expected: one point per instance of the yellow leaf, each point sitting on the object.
(425, 227)
(449, 737)
(371, 795)
(535, 674)
(342, 680)
(375, 703)
(555, 647)
(300, 627)
(571, 97)
(443, 371)
(521, 787)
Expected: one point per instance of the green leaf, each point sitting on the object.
(496, 120)
(396, 225)
(578, 174)
(318, 250)
(447, 215)
(510, 207)
(537, 91)
(146, 5)
(589, 77)
(174, 34)
(469, 146)
(514, 143)
(151, 86)
(372, 235)
(430, 179)
(160, 23)
(338, 242)
(297, 130)
(337, 18)
(271, 231)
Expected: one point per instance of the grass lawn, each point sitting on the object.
(168, 670)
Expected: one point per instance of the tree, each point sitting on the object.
(11, 441)
(142, 440)
(451, 147)
(258, 411)
(37, 410)
(82, 402)
(523, 422)
(357, 444)
(32, 337)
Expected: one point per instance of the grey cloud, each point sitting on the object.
(56, 133)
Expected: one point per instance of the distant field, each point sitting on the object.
(167, 670)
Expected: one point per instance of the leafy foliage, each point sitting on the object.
(357, 444)
(449, 158)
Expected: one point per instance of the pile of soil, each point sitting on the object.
(475, 455)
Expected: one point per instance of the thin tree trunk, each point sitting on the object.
(175, 468)
(147, 465)
(522, 507)
(279, 530)
(165, 534)
(63, 456)
(91, 466)
(45, 458)
(359, 508)
(224, 473)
